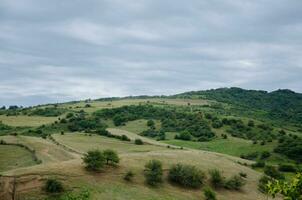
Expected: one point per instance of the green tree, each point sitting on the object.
(111, 157)
(153, 172)
(94, 160)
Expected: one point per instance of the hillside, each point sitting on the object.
(238, 132)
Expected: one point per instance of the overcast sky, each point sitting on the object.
(61, 50)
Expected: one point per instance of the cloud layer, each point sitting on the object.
(60, 50)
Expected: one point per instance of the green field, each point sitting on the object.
(12, 157)
(26, 121)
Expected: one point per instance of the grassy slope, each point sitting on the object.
(110, 185)
(28, 121)
(12, 157)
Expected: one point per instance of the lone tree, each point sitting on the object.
(94, 160)
(53, 186)
(153, 172)
(111, 157)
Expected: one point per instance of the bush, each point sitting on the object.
(128, 176)
(249, 156)
(94, 160)
(185, 135)
(111, 157)
(287, 168)
(262, 183)
(2, 142)
(125, 138)
(216, 178)
(209, 194)
(242, 174)
(150, 123)
(186, 175)
(234, 183)
(153, 172)
(53, 186)
(265, 155)
(273, 172)
(259, 164)
(138, 142)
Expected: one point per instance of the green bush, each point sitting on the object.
(273, 172)
(138, 141)
(262, 183)
(94, 160)
(111, 157)
(209, 194)
(259, 164)
(265, 155)
(128, 176)
(53, 186)
(186, 175)
(82, 195)
(216, 178)
(125, 138)
(153, 172)
(287, 168)
(234, 183)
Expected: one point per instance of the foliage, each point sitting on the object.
(111, 157)
(138, 141)
(234, 183)
(48, 112)
(153, 172)
(273, 172)
(53, 186)
(94, 160)
(216, 178)
(262, 183)
(186, 175)
(287, 168)
(83, 195)
(290, 190)
(129, 176)
(209, 194)
(292, 148)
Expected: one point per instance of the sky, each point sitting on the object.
(63, 50)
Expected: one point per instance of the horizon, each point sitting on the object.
(61, 51)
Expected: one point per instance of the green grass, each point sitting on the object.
(138, 126)
(231, 146)
(84, 143)
(26, 121)
(12, 157)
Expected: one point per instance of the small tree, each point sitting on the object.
(209, 194)
(138, 142)
(150, 123)
(111, 157)
(94, 160)
(153, 172)
(53, 186)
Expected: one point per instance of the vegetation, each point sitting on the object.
(234, 183)
(111, 157)
(209, 194)
(153, 172)
(94, 160)
(53, 186)
(216, 178)
(186, 175)
(129, 176)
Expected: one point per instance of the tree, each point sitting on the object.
(53, 186)
(94, 160)
(153, 172)
(138, 141)
(150, 123)
(290, 190)
(111, 157)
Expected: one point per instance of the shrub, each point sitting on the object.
(185, 135)
(216, 178)
(287, 168)
(125, 138)
(53, 186)
(273, 172)
(251, 123)
(250, 156)
(62, 132)
(234, 183)
(138, 142)
(186, 175)
(128, 176)
(2, 142)
(153, 172)
(209, 194)
(82, 195)
(259, 164)
(262, 183)
(150, 123)
(265, 155)
(94, 160)
(242, 174)
(111, 157)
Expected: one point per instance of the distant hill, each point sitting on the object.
(280, 104)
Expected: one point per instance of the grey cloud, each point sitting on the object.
(67, 50)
